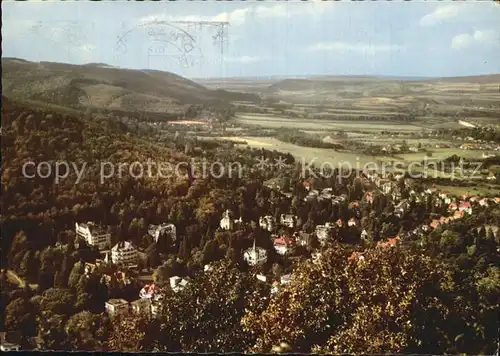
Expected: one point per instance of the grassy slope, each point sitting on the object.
(106, 87)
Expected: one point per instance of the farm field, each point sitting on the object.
(481, 189)
(277, 122)
(441, 153)
(319, 155)
(337, 159)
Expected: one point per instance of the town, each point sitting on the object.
(303, 177)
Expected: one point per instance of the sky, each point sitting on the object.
(271, 38)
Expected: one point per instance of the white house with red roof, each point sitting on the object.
(282, 244)
(151, 291)
(465, 206)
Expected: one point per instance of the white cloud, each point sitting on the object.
(457, 11)
(86, 48)
(241, 16)
(244, 59)
(442, 13)
(235, 18)
(478, 37)
(342, 47)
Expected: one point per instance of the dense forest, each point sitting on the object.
(434, 292)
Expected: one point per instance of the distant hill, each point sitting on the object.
(108, 88)
(477, 79)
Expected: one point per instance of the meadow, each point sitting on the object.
(269, 121)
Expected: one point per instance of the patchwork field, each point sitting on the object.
(266, 121)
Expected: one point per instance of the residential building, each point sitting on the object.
(391, 242)
(282, 244)
(226, 222)
(151, 291)
(354, 204)
(401, 208)
(327, 191)
(364, 234)
(352, 222)
(93, 234)
(316, 257)
(255, 255)
(117, 307)
(301, 238)
(396, 194)
(288, 220)
(124, 253)
(387, 188)
(165, 229)
(465, 206)
(178, 283)
(458, 214)
(267, 222)
(8, 346)
(312, 195)
(274, 288)
(483, 202)
(261, 277)
(287, 278)
(324, 232)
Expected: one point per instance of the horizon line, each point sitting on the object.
(263, 77)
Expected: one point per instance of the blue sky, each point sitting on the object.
(415, 38)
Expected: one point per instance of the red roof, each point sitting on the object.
(283, 240)
(444, 220)
(389, 243)
(465, 205)
(355, 256)
(435, 223)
